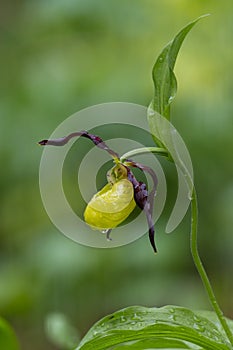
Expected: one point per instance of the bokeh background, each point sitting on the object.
(58, 57)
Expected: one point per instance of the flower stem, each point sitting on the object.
(201, 270)
(144, 150)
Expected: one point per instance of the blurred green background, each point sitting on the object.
(57, 57)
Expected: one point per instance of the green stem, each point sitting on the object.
(193, 238)
(201, 270)
(144, 150)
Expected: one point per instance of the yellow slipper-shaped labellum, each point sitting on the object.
(110, 206)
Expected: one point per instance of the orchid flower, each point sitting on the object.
(117, 199)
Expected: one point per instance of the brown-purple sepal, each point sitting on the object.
(43, 142)
(95, 139)
(142, 199)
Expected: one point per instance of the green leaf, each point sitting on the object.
(60, 331)
(153, 344)
(8, 339)
(211, 315)
(157, 325)
(165, 84)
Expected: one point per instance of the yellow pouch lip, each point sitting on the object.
(110, 206)
(113, 198)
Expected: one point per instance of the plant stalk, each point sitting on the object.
(139, 151)
(201, 269)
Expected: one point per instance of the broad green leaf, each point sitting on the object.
(154, 324)
(60, 331)
(8, 339)
(165, 84)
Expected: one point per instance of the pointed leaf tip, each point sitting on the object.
(165, 84)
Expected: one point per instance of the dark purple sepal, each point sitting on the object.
(144, 201)
(95, 139)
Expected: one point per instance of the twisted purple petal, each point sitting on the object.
(95, 139)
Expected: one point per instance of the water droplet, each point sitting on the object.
(151, 112)
(198, 327)
(190, 195)
(123, 319)
(135, 316)
(201, 329)
(196, 318)
(170, 99)
(133, 323)
(171, 317)
(161, 59)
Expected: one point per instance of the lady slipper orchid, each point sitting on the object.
(113, 204)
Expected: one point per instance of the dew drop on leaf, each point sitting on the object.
(190, 196)
(135, 316)
(196, 318)
(171, 317)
